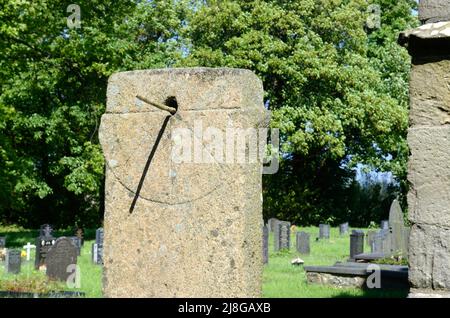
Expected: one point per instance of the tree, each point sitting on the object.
(337, 90)
(53, 91)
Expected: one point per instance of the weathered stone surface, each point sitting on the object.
(398, 232)
(343, 228)
(271, 224)
(429, 257)
(335, 280)
(62, 259)
(429, 175)
(265, 244)
(303, 242)
(419, 293)
(356, 243)
(434, 10)
(13, 261)
(196, 228)
(429, 94)
(282, 235)
(428, 139)
(324, 231)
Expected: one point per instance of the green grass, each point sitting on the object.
(280, 278)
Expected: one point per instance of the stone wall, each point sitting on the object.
(429, 162)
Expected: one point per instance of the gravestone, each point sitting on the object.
(28, 248)
(431, 11)
(43, 244)
(370, 238)
(356, 243)
(282, 235)
(265, 245)
(380, 243)
(324, 231)
(397, 231)
(343, 228)
(384, 225)
(99, 235)
(303, 242)
(429, 144)
(13, 261)
(46, 230)
(77, 243)
(80, 234)
(97, 247)
(61, 259)
(176, 211)
(2, 242)
(271, 224)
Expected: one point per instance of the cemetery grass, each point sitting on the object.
(280, 278)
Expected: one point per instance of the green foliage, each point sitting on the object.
(337, 90)
(53, 92)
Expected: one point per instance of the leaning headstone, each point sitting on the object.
(61, 259)
(2, 242)
(384, 225)
(429, 145)
(303, 242)
(265, 245)
(356, 243)
(343, 228)
(43, 244)
(173, 217)
(271, 224)
(13, 261)
(282, 235)
(324, 231)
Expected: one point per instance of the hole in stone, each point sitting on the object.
(171, 101)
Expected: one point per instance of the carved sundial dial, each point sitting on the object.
(152, 175)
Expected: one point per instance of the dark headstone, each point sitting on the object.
(13, 261)
(343, 228)
(59, 259)
(384, 225)
(303, 242)
(46, 230)
(356, 243)
(77, 242)
(99, 233)
(324, 231)
(431, 11)
(2, 242)
(43, 244)
(265, 245)
(97, 247)
(282, 235)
